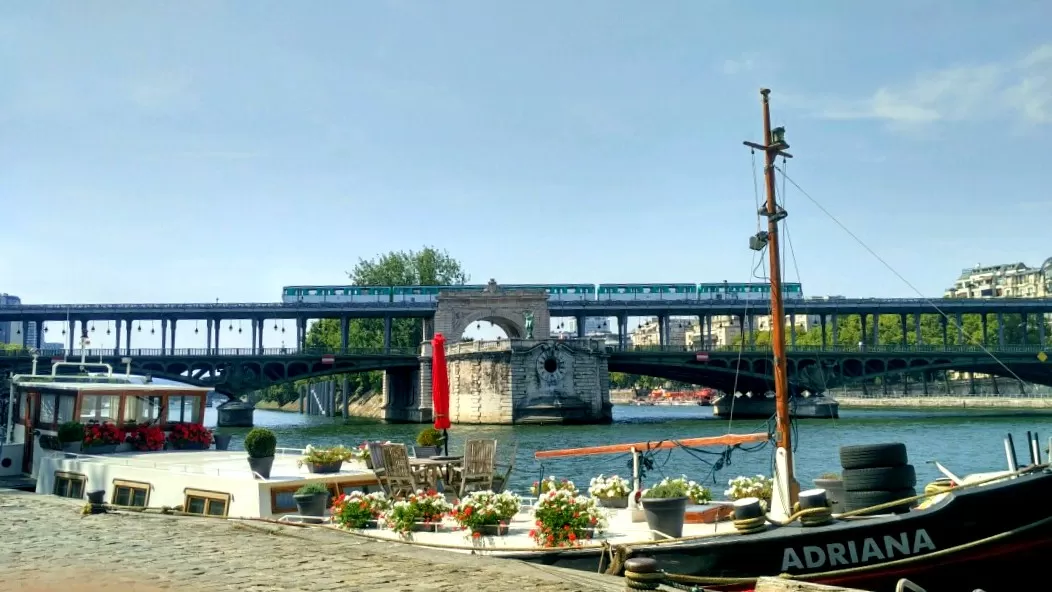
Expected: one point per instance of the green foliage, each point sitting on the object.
(10, 347)
(313, 488)
(261, 443)
(429, 437)
(427, 267)
(71, 431)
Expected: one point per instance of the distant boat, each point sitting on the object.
(762, 407)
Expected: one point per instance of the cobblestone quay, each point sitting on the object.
(47, 545)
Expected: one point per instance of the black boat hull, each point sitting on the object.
(992, 537)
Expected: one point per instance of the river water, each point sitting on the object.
(963, 441)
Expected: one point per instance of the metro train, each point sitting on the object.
(556, 292)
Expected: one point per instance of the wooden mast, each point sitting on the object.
(773, 146)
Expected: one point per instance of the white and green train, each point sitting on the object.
(556, 292)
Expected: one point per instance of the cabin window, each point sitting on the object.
(100, 408)
(47, 409)
(206, 503)
(20, 404)
(142, 409)
(130, 493)
(69, 484)
(183, 409)
(281, 500)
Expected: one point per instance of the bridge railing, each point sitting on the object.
(277, 306)
(872, 349)
(278, 352)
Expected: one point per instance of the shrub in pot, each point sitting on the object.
(312, 499)
(71, 434)
(665, 507)
(428, 442)
(260, 444)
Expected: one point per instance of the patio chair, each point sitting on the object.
(398, 476)
(376, 457)
(477, 469)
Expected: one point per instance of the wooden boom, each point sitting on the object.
(728, 440)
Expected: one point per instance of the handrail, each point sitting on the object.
(726, 440)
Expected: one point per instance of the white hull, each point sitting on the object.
(760, 407)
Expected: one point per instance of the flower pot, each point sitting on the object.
(424, 527)
(613, 502)
(189, 446)
(834, 492)
(73, 447)
(222, 441)
(312, 504)
(261, 466)
(102, 449)
(97, 497)
(665, 515)
(492, 529)
(320, 468)
(426, 451)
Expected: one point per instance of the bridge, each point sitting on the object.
(260, 315)
(739, 368)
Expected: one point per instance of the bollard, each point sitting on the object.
(642, 573)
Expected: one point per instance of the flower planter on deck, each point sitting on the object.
(74, 447)
(614, 502)
(323, 468)
(424, 527)
(492, 529)
(103, 449)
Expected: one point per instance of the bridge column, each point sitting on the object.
(164, 336)
(792, 329)
(117, 342)
(917, 329)
(1040, 328)
(72, 330)
(127, 336)
(708, 331)
(345, 329)
(945, 331)
(208, 336)
(217, 326)
(40, 334)
(622, 331)
(822, 322)
(262, 325)
(581, 322)
(983, 319)
(1000, 329)
(905, 333)
(1023, 319)
(254, 324)
(662, 322)
(387, 333)
(864, 332)
(428, 327)
(174, 321)
(876, 328)
(836, 327)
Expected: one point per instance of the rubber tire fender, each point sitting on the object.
(869, 456)
(857, 500)
(880, 478)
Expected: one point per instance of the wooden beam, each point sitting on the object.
(727, 440)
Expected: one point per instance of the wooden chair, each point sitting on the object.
(398, 475)
(477, 469)
(376, 457)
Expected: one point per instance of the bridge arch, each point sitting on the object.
(511, 328)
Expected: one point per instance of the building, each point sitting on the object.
(649, 334)
(13, 332)
(1009, 280)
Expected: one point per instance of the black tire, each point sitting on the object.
(880, 478)
(869, 456)
(857, 500)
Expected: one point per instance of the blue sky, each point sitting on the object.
(199, 150)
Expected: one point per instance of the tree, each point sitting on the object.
(427, 267)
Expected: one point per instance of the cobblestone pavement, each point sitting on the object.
(46, 544)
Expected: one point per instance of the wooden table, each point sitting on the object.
(435, 468)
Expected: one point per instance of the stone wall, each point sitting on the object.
(534, 381)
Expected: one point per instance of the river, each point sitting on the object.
(963, 441)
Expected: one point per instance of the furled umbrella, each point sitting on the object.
(440, 388)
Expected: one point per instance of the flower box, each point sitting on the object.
(614, 502)
(491, 530)
(323, 468)
(424, 527)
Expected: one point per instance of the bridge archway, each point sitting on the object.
(485, 325)
(508, 309)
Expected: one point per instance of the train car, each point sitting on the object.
(559, 292)
(750, 291)
(413, 294)
(712, 291)
(647, 292)
(337, 294)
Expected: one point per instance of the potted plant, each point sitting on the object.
(552, 484)
(101, 438)
(146, 438)
(665, 507)
(697, 493)
(421, 511)
(311, 500)
(428, 442)
(190, 436)
(564, 519)
(71, 434)
(222, 440)
(260, 444)
(611, 492)
(325, 460)
(759, 487)
(484, 513)
(359, 510)
(834, 486)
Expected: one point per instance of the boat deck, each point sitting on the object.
(224, 463)
(620, 529)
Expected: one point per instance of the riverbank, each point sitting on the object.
(947, 402)
(46, 544)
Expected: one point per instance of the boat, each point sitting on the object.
(762, 406)
(193, 479)
(989, 531)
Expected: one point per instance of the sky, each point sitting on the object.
(195, 150)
